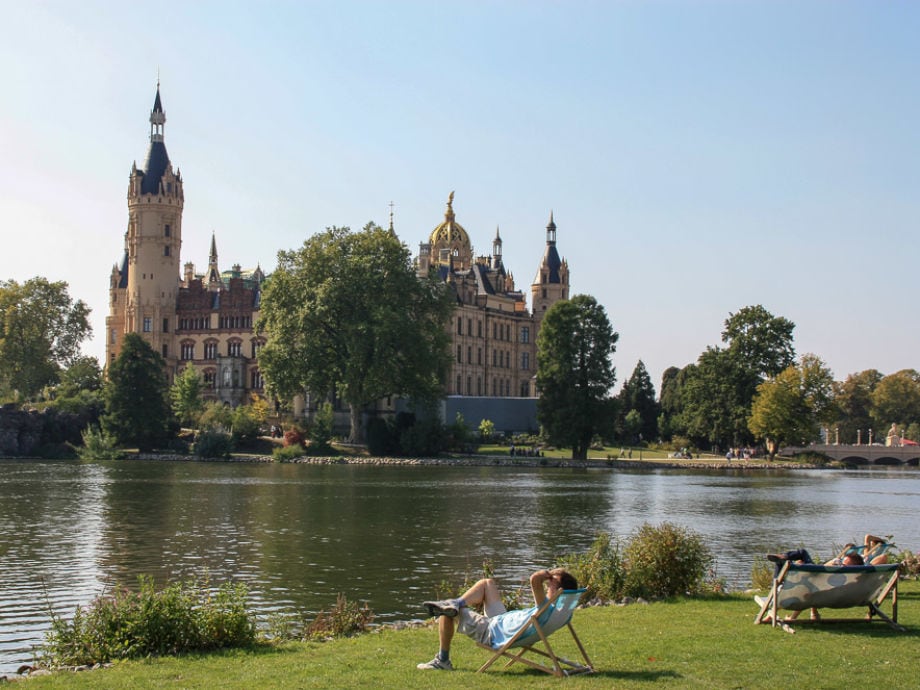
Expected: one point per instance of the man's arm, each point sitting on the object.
(537, 584)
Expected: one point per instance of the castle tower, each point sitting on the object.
(551, 283)
(144, 288)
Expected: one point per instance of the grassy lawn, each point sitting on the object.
(679, 644)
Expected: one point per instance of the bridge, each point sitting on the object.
(862, 454)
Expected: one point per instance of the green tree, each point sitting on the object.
(853, 401)
(575, 372)
(185, 394)
(347, 314)
(789, 407)
(896, 400)
(761, 342)
(136, 407)
(718, 391)
(41, 329)
(638, 395)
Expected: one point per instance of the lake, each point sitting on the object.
(298, 535)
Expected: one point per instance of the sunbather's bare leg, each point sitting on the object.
(483, 592)
(445, 631)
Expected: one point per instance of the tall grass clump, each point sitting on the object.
(345, 619)
(599, 570)
(182, 617)
(98, 445)
(287, 453)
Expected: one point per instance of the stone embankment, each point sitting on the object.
(499, 460)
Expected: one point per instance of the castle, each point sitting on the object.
(207, 319)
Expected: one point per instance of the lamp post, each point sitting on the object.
(836, 435)
(859, 437)
(870, 436)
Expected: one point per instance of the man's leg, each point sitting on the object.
(484, 592)
(441, 662)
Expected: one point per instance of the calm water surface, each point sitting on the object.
(297, 535)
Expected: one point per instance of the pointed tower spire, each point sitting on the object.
(497, 250)
(392, 231)
(213, 281)
(551, 230)
(157, 117)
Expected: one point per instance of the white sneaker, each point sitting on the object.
(436, 665)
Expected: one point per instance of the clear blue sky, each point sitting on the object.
(698, 156)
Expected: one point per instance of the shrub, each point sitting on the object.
(244, 423)
(98, 445)
(910, 563)
(292, 437)
(424, 438)
(286, 453)
(762, 574)
(600, 570)
(212, 444)
(321, 429)
(345, 619)
(665, 561)
(382, 439)
(216, 415)
(486, 430)
(182, 617)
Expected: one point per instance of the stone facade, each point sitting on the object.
(203, 319)
(207, 319)
(493, 333)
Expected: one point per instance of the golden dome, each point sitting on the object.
(450, 234)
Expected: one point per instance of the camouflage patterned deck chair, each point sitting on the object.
(555, 613)
(799, 587)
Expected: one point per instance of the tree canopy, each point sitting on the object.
(41, 329)
(638, 395)
(789, 407)
(575, 372)
(136, 403)
(347, 315)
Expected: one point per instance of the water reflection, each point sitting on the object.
(299, 535)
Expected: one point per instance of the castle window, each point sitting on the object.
(256, 346)
(459, 355)
(469, 323)
(148, 324)
(469, 355)
(256, 380)
(479, 328)
(165, 350)
(479, 356)
(459, 326)
(525, 334)
(166, 325)
(234, 348)
(544, 293)
(525, 389)
(188, 351)
(459, 392)
(209, 378)
(494, 332)
(469, 385)
(112, 336)
(166, 250)
(210, 350)
(478, 385)
(166, 230)
(494, 358)
(525, 360)
(494, 387)
(501, 358)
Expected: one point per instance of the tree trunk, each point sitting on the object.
(356, 433)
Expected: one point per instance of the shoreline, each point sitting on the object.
(501, 461)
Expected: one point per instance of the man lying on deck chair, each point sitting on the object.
(494, 626)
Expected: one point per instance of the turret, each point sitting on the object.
(551, 283)
(154, 240)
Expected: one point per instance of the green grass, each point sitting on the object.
(687, 643)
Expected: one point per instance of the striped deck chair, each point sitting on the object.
(555, 613)
(799, 587)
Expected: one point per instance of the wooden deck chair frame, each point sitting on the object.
(769, 610)
(519, 645)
